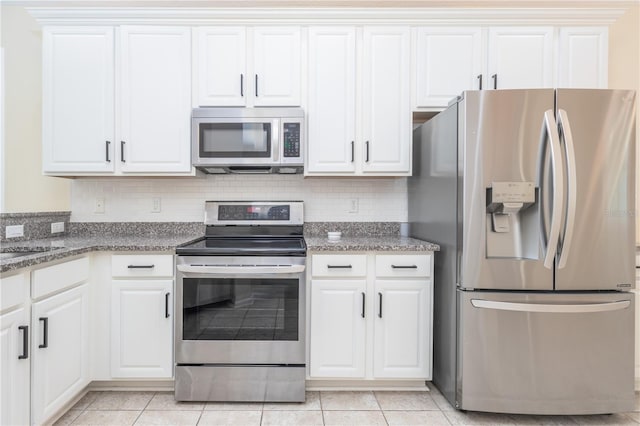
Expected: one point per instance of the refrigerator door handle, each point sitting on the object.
(550, 131)
(564, 130)
(550, 308)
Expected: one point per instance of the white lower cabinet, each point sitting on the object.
(371, 316)
(14, 367)
(402, 329)
(141, 328)
(60, 347)
(337, 328)
(141, 343)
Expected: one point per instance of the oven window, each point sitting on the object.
(240, 309)
(235, 140)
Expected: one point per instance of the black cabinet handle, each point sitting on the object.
(353, 151)
(256, 85)
(122, 151)
(366, 159)
(404, 266)
(241, 84)
(363, 301)
(479, 77)
(25, 341)
(339, 266)
(380, 305)
(141, 266)
(495, 81)
(166, 305)
(106, 151)
(45, 340)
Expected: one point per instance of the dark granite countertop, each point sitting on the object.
(51, 249)
(382, 243)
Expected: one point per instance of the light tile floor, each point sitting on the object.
(320, 408)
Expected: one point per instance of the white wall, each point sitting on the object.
(182, 199)
(25, 188)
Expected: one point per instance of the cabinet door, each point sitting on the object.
(276, 66)
(331, 114)
(77, 99)
(337, 328)
(402, 330)
(155, 110)
(386, 103)
(448, 60)
(60, 348)
(583, 57)
(520, 57)
(141, 328)
(14, 368)
(221, 66)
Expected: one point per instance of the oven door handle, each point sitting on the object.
(249, 269)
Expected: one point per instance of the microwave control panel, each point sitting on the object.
(291, 139)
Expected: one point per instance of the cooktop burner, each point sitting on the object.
(241, 228)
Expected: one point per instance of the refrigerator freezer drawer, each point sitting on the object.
(546, 353)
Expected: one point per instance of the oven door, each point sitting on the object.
(235, 141)
(228, 312)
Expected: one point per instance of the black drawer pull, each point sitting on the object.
(141, 266)
(380, 305)
(45, 339)
(363, 302)
(404, 266)
(166, 305)
(25, 341)
(339, 266)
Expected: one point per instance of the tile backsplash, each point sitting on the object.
(182, 199)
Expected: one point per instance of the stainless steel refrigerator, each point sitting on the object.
(530, 194)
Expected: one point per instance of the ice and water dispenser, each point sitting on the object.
(512, 220)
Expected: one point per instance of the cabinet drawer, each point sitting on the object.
(142, 265)
(414, 265)
(57, 277)
(339, 265)
(13, 291)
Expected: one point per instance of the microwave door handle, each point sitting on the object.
(275, 148)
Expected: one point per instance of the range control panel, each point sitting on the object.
(291, 139)
(253, 212)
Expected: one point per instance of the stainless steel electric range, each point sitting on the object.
(240, 305)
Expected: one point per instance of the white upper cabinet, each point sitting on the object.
(221, 65)
(448, 61)
(359, 123)
(248, 66)
(155, 107)
(78, 99)
(583, 55)
(149, 93)
(386, 104)
(520, 58)
(332, 99)
(276, 66)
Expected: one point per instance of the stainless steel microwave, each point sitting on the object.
(248, 140)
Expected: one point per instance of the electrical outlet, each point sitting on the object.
(99, 208)
(353, 205)
(155, 205)
(14, 231)
(57, 227)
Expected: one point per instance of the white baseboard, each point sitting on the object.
(132, 385)
(367, 385)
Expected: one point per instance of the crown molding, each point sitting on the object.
(325, 16)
